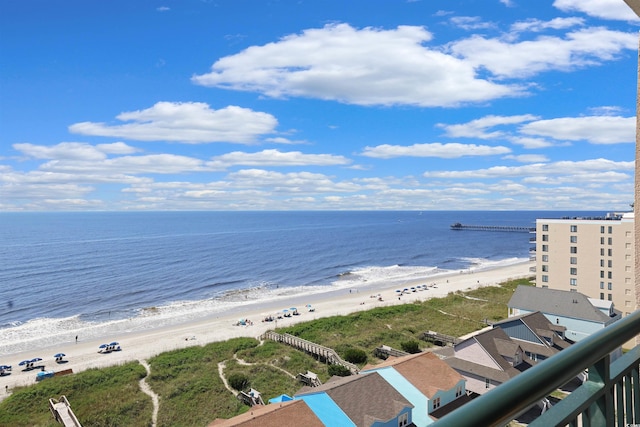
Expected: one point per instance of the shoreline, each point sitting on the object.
(144, 344)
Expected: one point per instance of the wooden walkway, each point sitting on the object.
(441, 338)
(61, 411)
(385, 351)
(325, 353)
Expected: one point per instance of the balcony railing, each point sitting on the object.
(609, 397)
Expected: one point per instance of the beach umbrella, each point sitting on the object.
(103, 346)
(114, 343)
(5, 367)
(24, 362)
(59, 355)
(285, 310)
(309, 305)
(398, 290)
(36, 359)
(293, 309)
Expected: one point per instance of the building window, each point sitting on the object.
(609, 275)
(601, 263)
(601, 274)
(545, 237)
(601, 251)
(610, 252)
(601, 285)
(545, 278)
(545, 267)
(545, 227)
(487, 382)
(574, 228)
(602, 229)
(602, 240)
(609, 241)
(610, 229)
(459, 391)
(436, 402)
(609, 297)
(602, 295)
(545, 258)
(545, 248)
(574, 239)
(573, 260)
(609, 285)
(573, 271)
(609, 263)
(403, 420)
(573, 282)
(573, 249)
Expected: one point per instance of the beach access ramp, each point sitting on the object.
(61, 411)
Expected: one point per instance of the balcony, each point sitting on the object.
(609, 397)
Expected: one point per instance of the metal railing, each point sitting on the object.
(609, 397)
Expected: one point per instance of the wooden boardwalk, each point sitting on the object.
(325, 353)
(441, 338)
(61, 411)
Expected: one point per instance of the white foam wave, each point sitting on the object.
(42, 332)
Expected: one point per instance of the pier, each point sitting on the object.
(459, 226)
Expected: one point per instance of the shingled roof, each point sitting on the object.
(425, 371)
(364, 398)
(273, 415)
(497, 344)
(539, 325)
(556, 302)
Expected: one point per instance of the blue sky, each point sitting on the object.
(303, 105)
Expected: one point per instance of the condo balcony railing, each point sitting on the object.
(609, 397)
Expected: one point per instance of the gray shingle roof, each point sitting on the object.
(364, 398)
(556, 302)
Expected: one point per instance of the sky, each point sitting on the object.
(127, 105)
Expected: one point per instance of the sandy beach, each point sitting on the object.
(82, 355)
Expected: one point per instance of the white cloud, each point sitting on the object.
(367, 66)
(163, 9)
(585, 167)
(471, 23)
(478, 128)
(537, 25)
(188, 122)
(73, 150)
(445, 151)
(276, 158)
(606, 9)
(585, 47)
(528, 158)
(594, 129)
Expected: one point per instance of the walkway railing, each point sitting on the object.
(609, 397)
(326, 353)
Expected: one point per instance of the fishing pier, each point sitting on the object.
(459, 226)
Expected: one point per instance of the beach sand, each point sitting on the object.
(84, 355)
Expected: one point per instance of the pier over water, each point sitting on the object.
(459, 226)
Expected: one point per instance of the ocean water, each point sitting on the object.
(63, 274)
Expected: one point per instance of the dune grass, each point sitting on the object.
(98, 397)
(187, 380)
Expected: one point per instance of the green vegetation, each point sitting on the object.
(411, 347)
(188, 381)
(98, 397)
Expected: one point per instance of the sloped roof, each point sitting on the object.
(425, 371)
(274, 415)
(364, 398)
(556, 302)
(498, 345)
(542, 327)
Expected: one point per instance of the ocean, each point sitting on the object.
(90, 274)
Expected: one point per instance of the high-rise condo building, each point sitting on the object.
(594, 256)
